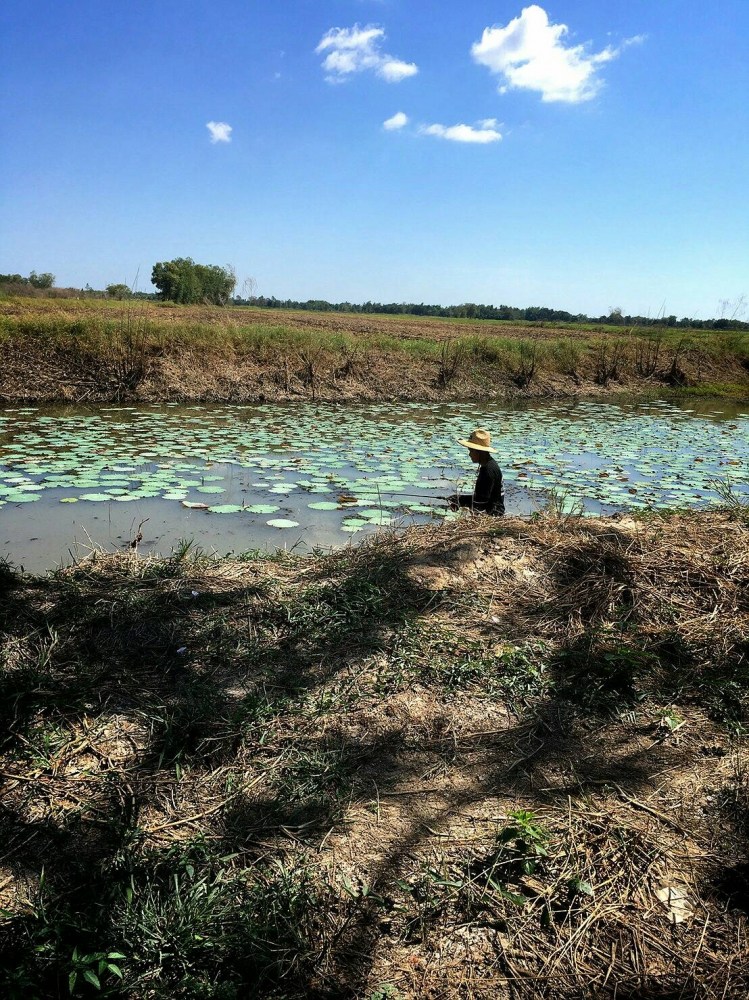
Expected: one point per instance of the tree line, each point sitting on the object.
(34, 280)
(472, 310)
(184, 281)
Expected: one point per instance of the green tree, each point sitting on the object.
(119, 291)
(182, 280)
(45, 280)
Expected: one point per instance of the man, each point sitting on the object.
(488, 496)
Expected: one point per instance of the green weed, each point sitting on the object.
(185, 923)
(567, 356)
(605, 671)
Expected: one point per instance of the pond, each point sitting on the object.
(236, 478)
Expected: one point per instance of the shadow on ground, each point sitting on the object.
(183, 741)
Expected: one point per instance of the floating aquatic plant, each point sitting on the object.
(381, 461)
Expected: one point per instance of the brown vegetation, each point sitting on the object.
(493, 759)
(94, 350)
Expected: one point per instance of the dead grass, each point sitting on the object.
(489, 759)
(98, 350)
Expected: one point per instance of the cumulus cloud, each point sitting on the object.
(482, 132)
(220, 131)
(399, 120)
(529, 53)
(395, 70)
(354, 50)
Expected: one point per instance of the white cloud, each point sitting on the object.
(395, 70)
(399, 120)
(354, 50)
(529, 53)
(483, 132)
(220, 131)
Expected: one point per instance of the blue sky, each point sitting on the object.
(579, 154)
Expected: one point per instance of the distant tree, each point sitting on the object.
(615, 317)
(42, 281)
(249, 290)
(45, 280)
(182, 280)
(119, 291)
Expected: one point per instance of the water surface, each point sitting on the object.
(305, 475)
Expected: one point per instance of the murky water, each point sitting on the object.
(306, 475)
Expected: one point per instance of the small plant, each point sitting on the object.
(671, 721)
(92, 967)
(523, 840)
(647, 353)
(130, 353)
(451, 357)
(676, 375)
(561, 505)
(313, 779)
(310, 359)
(579, 887)
(604, 669)
(385, 991)
(567, 356)
(608, 361)
(524, 672)
(735, 504)
(8, 576)
(527, 358)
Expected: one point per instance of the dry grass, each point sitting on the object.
(99, 350)
(462, 762)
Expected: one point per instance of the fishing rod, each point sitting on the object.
(356, 495)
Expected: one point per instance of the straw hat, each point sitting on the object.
(480, 440)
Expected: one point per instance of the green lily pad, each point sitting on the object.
(280, 522)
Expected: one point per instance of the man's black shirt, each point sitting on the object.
(488, 495)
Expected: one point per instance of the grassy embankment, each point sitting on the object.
(468, 761)
(94, 350)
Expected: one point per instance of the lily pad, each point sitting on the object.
(280, 522)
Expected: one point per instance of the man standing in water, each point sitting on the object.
(488, 496)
